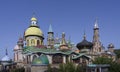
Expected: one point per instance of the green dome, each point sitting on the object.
(42, 60)
(36, 61)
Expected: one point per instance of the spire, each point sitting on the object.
(34, 20)
(63, 42)
(63, 45)
(97, 46)
(69, 38)
(57, 39)
(50, 28)
(96, 24)
(84, 36)
(6, 52)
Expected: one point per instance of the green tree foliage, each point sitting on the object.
(102, 60)
(114, 67)
(68, 67)
(117, 52)
(17, 70)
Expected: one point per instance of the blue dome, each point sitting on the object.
(5, 58)
(42, 60)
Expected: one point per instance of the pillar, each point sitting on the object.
(64, 59)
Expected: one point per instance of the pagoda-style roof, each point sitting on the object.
(31, 50)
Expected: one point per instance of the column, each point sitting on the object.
(69, 58)
(50, 58)
(64, 59)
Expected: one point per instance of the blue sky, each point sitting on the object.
(69, 16)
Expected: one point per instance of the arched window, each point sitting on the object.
(38, 42)
(34, 57)
(27, 42)
(33, 42)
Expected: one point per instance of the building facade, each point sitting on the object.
(32, 53)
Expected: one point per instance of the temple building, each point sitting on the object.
(32, 53)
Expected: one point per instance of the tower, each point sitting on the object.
(50, 39)
(63, 44)
(97, 47)
(111, 48)
(33, 34)
(57, 42)
(18, 51)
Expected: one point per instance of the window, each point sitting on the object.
(38, 42)
(33, 42)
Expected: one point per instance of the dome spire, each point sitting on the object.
(96, 24)
(6, 52)
(50, 28)
(34, 20)
(63, 42)
(84, 36)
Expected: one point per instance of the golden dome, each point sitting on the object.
(33, 30)
(33, 19)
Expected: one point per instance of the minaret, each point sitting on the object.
(50, 39)
(57, 42)
(111, 48)
(97, 47)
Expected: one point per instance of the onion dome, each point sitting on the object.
(6, 58)
(42, 60)
(33, 29)
(110, 45)
(84, 44)
(33, 19)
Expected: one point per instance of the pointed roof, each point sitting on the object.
(63, 42)
(50, 28)
(84, 36)
(96, 24)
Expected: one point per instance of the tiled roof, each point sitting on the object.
(30, 50)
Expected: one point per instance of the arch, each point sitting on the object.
(38, 42)
(57, 58)
(34, 56)
(27, 42)
(32, 42)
